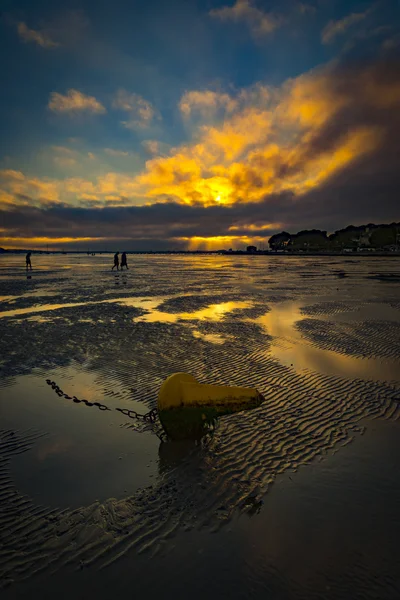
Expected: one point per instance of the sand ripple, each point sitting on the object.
(362, 339)
(305, 417)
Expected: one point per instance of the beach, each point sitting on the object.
(295, 499)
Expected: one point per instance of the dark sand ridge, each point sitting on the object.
(307, 415)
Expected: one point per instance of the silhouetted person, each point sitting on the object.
(116, 261)
(123, 261)
(28, 261)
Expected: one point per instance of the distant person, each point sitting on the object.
(116, 261)
(28, 261)
(123, 261)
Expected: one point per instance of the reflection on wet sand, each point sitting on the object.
(130, 494)
(213, 312)
(145, 303)
(291, 349)
(41, 308)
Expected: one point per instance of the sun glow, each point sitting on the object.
(220, 242)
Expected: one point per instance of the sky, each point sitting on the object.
(195, 124)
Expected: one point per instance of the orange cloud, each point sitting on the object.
(259, 151)
(25, 189)
(266, 145)
(74, 102)
(40, 243)
(206, 103)
(270, 141)
(255, 227)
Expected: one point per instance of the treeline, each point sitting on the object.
(375, 237)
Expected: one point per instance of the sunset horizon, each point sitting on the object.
(211, 123)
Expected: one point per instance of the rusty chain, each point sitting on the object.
(149, 417)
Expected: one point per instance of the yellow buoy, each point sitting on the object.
(187, 407)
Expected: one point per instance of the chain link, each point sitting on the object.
(149, 417)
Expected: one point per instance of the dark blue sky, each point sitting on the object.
(132, 103)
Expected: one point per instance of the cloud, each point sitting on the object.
(40, 38)
(291, 138)
(74, 102)
(335, 28)
(156, 226)
(27, 190)
(64, 161)
(206, 103)
(112, 152)
(304, 8)
(155, 147)
(259, 22)
(391, 43)
(141, 112)
(319, 151)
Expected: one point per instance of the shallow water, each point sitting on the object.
(292, 349)
(296, 499)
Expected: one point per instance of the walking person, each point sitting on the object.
(116, 261)
(123, 261)
(28, 261)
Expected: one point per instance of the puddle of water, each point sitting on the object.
(213, 338)
(213, 312)
(38, 293)
(145, 303)
(40, 319)
(370, 312)
(86, 455)
(298, 353)
(140, 302)
(41, 308)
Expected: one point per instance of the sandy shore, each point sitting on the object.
(272, 497)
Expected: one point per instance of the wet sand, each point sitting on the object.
(296, 499)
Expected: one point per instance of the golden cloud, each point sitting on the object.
(40, 243)
(206, 103)
(25, 189)
(266, 145)
(270, 141)
(74, 102)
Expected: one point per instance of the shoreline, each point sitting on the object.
(369, 254)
